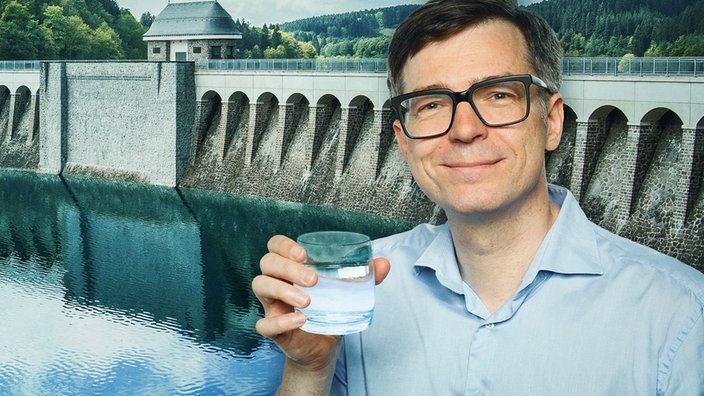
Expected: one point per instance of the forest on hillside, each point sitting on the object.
(69, 29)
(360, 34)
(100, 29)
(270, 42)
(618, 27)
(585, 28)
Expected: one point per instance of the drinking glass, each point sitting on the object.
(342, 302)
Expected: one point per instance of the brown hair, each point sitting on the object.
(437, 20)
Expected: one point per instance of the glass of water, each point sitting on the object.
(342, 302)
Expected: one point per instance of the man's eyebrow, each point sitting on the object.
(441, 85)
(431, 86)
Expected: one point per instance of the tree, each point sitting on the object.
(689, 45)
(308, 51)
(71, 37)
(275, 53)
(146, 19)
(21, 36)
(130, 33)
(641, 37)
(106, 43)
(375, 47)
(275, 37)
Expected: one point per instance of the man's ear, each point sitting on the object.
(401, 138)
(555, 119)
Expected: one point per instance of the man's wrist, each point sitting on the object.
(310, 378)
(301, 380)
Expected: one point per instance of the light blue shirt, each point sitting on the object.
(596, 314)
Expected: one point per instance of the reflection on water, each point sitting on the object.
(112, 288)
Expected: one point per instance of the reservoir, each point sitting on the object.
(120, 288)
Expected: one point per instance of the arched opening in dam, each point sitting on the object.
(210, 109)
(18, 128)
(387, 136)
(328, 112)
(662, 169)
(266, 128)
(609, 138)
(25, 116)
(326, 137)
(659, 177)
(4, 113)
(359, 134)
(236, 129)
(695, 200)
(294, 131)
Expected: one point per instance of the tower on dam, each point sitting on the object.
(193, 30)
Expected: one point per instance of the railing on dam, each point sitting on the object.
(678, 66)
(306, 65)
(19, 65)
(681, 66)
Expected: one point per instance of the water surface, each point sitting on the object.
(125, 289)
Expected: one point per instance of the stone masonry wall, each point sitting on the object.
(626, 176)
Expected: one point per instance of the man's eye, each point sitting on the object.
(430, 106)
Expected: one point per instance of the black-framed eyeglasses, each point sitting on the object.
(497, 102)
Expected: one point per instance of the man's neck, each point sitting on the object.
(494, 252)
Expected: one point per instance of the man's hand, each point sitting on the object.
(310, 357)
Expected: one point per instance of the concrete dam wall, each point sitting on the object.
(129, 121)
(144, 122)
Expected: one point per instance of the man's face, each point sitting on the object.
(475, 170)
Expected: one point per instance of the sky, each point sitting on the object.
(259, 12)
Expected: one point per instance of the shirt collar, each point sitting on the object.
(568, 248)
(440, 257)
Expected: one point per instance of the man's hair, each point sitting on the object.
(438, 20)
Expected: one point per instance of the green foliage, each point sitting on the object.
(130, 31)
(19, 33)
(69, 29)
(689, 45)
(270, 42)
(359, 34)
(618, 27)
(585, 28)
(147, 19)
(99, 29)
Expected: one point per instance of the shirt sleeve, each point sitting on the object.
(686, 363)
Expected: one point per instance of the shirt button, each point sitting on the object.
(490, 326)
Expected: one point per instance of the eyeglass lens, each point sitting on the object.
(496, 104)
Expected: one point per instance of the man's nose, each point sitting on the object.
(467, 126)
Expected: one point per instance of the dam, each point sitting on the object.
(320, 133)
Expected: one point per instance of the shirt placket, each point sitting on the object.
(485, 343)
(479, 365)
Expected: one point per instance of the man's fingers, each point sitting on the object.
(271, 327)
(381, 269)
(274, 265)
(286, 247)
(278, 297)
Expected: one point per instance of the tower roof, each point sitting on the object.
(193, 20)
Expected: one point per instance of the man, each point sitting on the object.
(518, 293)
